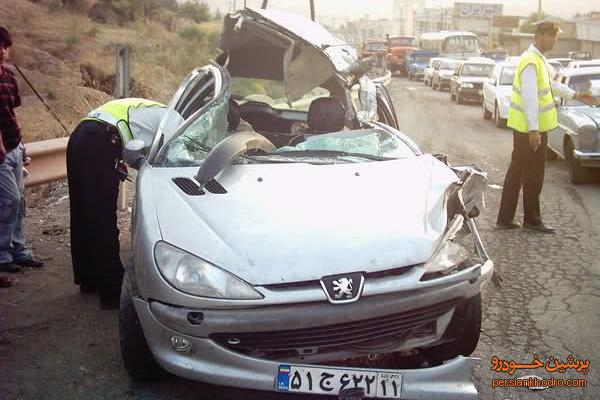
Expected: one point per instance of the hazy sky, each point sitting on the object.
(382, 8)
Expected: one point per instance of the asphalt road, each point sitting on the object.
(57, 344)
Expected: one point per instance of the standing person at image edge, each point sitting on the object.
(532, 115)
(13, 253)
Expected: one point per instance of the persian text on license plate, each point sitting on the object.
(292, 378)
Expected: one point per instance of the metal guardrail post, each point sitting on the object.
(122, 91)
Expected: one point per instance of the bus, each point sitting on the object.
(451, 44)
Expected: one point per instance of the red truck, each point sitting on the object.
(397, 48)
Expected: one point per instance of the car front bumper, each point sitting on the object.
(444, 82)
(471, 94)
(588, 158)
(209, 360)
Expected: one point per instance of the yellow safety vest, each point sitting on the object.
(116, 113)
(547, 116)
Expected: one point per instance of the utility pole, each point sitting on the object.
(539, 9)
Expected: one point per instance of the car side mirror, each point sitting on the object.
(133, 152)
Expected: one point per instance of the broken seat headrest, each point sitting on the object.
(326, 115)
(233, 116)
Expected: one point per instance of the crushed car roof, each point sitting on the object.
(283, 46)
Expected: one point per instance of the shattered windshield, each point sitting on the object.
(356, 145)
(193, 144)
(192, 147)
(272, 93)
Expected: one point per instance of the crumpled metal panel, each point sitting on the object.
(341, 55)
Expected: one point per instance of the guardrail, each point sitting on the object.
(49, 161)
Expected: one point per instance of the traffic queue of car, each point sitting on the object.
(488, 81)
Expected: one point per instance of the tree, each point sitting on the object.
(195, 10)
(527, 26)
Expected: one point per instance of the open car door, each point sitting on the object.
(201, 91)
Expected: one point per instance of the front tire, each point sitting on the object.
(137, 357)
(486, 113)
(500, 122)
(577, 173)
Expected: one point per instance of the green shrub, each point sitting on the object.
(72, 40)
(92, 31)
(194, 10)
(192, 33)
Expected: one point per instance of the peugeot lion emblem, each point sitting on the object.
(345, 288)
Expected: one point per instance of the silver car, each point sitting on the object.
(285, 254)
(577, 138)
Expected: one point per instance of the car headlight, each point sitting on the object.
(588, 137)
(448, 254)
(467, 85)
(195, 276)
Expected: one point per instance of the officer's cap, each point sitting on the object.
(548, 25)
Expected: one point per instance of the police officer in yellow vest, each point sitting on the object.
(531, 115)
(94, 169)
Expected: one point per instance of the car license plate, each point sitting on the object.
(315, 380)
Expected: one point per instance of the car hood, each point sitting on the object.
(281, 223)
(287, 47)
(593, 113)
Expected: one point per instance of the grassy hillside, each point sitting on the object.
(50, 45)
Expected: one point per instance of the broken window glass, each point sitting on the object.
(372, 142)
(192, 145)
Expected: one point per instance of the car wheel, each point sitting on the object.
(500, 122)
(577, 173)
(486, 113)
(459, 98)
(137, 357)
(462, 334)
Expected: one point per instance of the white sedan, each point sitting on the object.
(497, 91)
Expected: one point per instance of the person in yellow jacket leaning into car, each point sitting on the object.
(532, 114)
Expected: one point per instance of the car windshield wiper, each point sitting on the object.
(330, 153)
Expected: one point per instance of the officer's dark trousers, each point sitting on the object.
(526, 169)
(93, 192)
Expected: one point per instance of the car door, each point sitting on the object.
(197, 93)
(489, 89)
(556, 136)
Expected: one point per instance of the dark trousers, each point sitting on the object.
(93, 192)
(526, 169)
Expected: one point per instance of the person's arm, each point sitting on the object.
(562, 90)
(529, 95)
(2, 148)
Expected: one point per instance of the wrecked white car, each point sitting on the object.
(283, 254)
